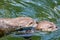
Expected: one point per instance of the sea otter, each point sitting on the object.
(46, 26)
(10, 24)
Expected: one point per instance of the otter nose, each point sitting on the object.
(56, 27)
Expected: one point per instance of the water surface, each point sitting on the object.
(37, 9)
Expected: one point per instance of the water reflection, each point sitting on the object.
(51, 36)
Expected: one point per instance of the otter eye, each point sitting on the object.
(20, 26)
(30, 23)
(50, 27)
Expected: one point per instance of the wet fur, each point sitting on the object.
(8, 25)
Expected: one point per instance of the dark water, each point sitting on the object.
(37, 9)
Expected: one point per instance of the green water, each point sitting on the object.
(37, 9)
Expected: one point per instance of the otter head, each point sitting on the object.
(27, 22)
(46, 26)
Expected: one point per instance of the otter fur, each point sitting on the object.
(11, 24)
(46, 26)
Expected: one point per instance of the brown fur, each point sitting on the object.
(46, 26)
(10, 24)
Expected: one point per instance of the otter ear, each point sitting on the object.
(30, 23)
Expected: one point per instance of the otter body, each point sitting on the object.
(10, 24)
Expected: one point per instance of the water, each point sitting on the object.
(37, 9)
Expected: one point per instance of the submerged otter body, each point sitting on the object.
(10, 24)
(46, 26)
